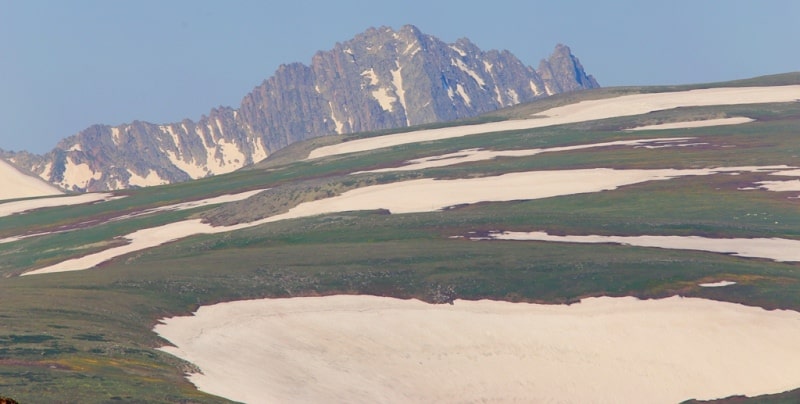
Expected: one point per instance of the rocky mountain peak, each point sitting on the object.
(563, 71)
(382, 78)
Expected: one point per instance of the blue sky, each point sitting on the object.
(65, 65)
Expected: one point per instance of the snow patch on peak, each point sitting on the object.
(219, 127)
(498, 97)
(463, 66)
(168, 130)
(78, 174)
(231, 158)
(338, 123)
(488, 66)
(535, 88)
(259, 151)
(514, 96)
(412, 48)
(397, 81)
(152, 178)
(381, 94)
(370, 74)
(194, 171)
(115, 135)
(384, 98)
(460, 90)
(46, 171)
(458, 50)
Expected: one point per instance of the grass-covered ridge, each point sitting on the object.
(87, 335)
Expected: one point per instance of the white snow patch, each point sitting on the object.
(194, 171)
(219, 127)
(372, 349)
(397, 81)
(232, 158)
(14, 184)
(259, 151)
(514, 96)
(780, 186)
(151, 179)
(11, 208)
(664, 145)
(115, 135)
(339, 124)
(788, 173)
(535, 88)
(498, 96)
(695, 124)
(475, 76)
(199, 132)
(370, 74)
(384, 98)
(78, 174)
(776, 249)
(46, 171)
(460, 90)
(719, 284)
(175, 139)
(488, 66)
(76, 147)
(426, 195)
(231, 154)
(382, 95)
(139, 240)
(458, 50)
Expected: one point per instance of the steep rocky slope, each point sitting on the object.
(380, 79)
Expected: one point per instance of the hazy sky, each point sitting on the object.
(65, 65)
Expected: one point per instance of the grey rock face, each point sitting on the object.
(563, 72)
(380, 79)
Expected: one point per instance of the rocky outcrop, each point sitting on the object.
(563, 72)
(380, 79)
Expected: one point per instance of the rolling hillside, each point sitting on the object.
(687, 196)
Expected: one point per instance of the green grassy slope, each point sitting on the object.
(86, 336)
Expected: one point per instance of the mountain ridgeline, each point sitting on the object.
(380, 79)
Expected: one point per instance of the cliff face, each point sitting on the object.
(380, 79)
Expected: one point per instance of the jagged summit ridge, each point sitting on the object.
(382, 78)
(563, 72)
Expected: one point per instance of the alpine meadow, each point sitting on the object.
(525, 236)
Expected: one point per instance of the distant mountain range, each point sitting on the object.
(380, 79)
